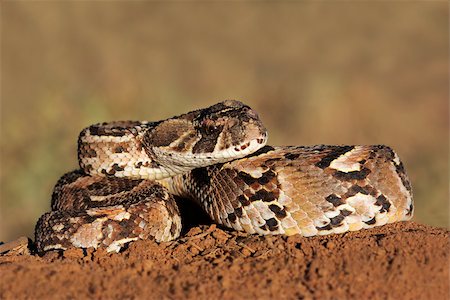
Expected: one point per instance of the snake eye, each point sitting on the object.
(211, 129)
(209, 125)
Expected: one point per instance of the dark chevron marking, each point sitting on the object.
(335, 200)
(335, 153)
(354, 175)
(384, 203)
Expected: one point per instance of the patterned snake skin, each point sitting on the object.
(217, 157)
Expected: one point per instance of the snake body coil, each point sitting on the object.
(217, 157)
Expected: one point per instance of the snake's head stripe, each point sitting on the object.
(219, 133)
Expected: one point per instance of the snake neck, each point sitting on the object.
(176, 186)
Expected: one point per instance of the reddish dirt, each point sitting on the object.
(398, 261)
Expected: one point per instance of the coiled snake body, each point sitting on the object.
(217, 157)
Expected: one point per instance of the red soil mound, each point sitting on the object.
(398, 261)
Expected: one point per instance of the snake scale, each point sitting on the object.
(217, 156)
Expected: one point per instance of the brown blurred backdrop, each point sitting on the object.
(317, 72)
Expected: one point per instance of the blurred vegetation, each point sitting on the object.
(326, 72)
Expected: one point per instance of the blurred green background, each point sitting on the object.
(317, 72)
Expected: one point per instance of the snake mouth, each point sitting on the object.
(247, 148)
(176, 160)
(242, 149)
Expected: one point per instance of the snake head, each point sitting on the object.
(219, 133)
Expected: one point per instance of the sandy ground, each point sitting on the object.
(398, 261)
